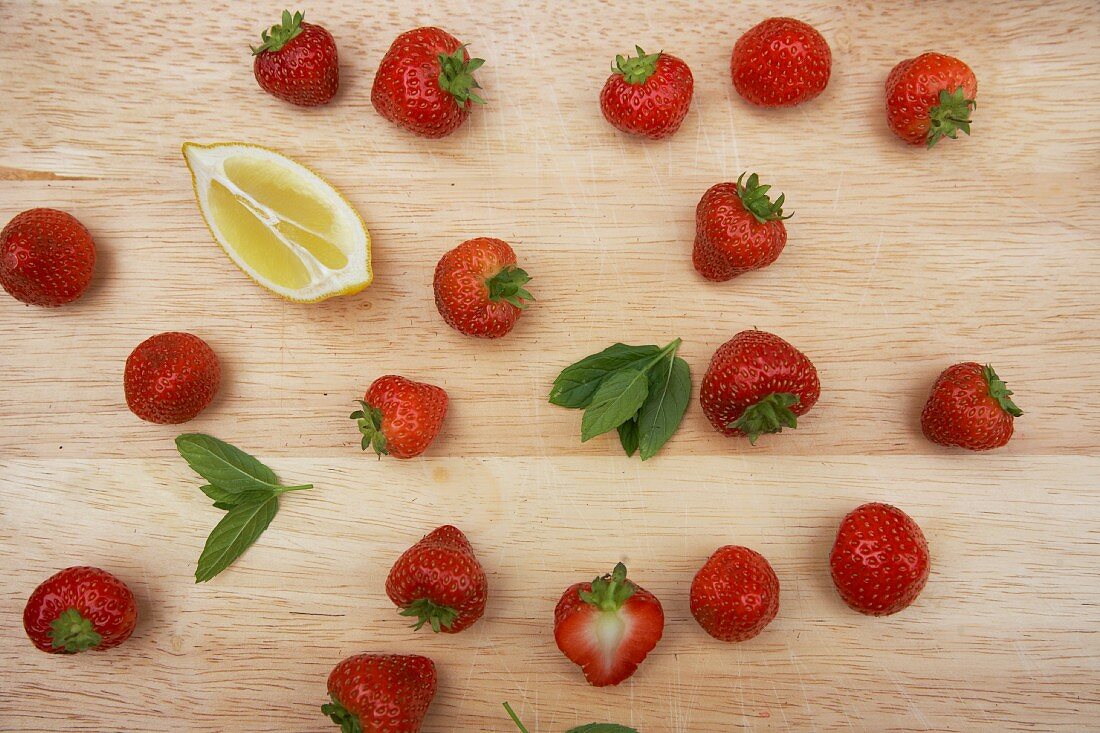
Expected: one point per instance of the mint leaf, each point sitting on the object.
(228, 499)
(664, 408)
(578, 382)
(239, 528)
(628, 436)
(617, 400)
(223, 465)
(601, 728)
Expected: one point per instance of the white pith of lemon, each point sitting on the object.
(282, 224)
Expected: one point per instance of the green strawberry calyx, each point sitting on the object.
(72, 632)
(348, 721)
(507, 285)
(769, 415)
(280, 34)
(999, 391)
(427, 612)
(754, 198)
(369, 420)
(637, 69)
(949, 116)
(456, 76)
(609, 592)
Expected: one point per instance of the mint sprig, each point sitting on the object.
(641, 391)
(247, 490)
(587, 728)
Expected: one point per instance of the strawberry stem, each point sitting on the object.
(769, 415)
(515, 718)
(999, 391)
(610, 591)
(949, 116)
(280, 34)
(755, 199)
(348, 722)
(456, 76)
(73, 633)
(507, 285)
(637, 69)
(369, 420)
(428, 612)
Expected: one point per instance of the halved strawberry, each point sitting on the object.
(608, 626)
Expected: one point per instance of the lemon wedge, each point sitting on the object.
(280, 222)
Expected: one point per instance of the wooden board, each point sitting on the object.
(900, 262)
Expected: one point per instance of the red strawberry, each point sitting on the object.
(780, 62)
(171, 377)
(879, 560)
(735, 594)
(78, 609)
(46, 257)
(297, 62)
(970, 407)
(479, 291)
(757, 383)
(930, 97)
(380, 693)
(647, 95)
(400, 417)
(608, 626)
(737, 229)
(440, 582)
(425, 83)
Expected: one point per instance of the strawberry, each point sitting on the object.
(380, 693)
(780, 62)
(735, 594)
(970, 407)
(479, 291)
(737, 229)
(400, 417)
(757, 383)
(439, 581)
(425, 83)
(78, 609)
(930, 97)
(608, 626)
(647, 95)
(879, 560)
(46, 257)
(171, 377)
(297, 62)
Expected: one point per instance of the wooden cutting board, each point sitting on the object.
(900, 262)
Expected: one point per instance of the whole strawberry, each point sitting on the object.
(400, 417)
(78, 609)
(380, 693)
(735, 594)
(930, 97)
(780, 62)
(879, 560)
(297, 62)
(737, 229)
(479, 291)
(425, 83)
(647, 94)
(970, 407)
(608, 626)
(757, 383)
(46, 257)
(439, 582)
(171, 377)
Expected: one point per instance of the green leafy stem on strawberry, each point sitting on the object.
(281, 34)
(456, 76)
(637, 69)
(508, 285)
(950, 116)
(427, 612)
(73, 633)
(769, 415)
(756, 201)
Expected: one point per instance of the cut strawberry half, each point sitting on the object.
(608, 626)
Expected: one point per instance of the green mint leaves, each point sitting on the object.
(247, 490)
(641, 391)
(587, 728)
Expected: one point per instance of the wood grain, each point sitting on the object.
(900, 262)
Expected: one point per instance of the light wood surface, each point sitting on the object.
(900, 262)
